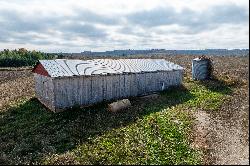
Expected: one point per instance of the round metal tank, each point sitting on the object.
(200, 69)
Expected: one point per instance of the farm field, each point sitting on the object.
(198, 123)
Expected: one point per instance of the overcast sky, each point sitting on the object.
(75, 25)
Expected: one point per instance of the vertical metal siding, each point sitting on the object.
(127, 85)
(45, 90)
(85, 90)
(122, 86)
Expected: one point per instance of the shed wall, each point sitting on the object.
(87, 90)
(44, 90)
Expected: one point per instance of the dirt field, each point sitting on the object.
(222, 135)
(15, 84)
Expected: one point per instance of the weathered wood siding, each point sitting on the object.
(87, 90)
(44, 88)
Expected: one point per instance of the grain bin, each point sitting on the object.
(62, 83)
(200, 68)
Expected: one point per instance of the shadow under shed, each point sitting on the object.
(29, 131)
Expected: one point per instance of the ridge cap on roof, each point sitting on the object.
(104, 58)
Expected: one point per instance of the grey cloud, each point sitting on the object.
(154, 17)
(228, 14)
(85, 30)
(15, 26)
(4, 35)
(194, 21)
(34, 39)
(17, 22)
(91, 17)
(129, 30)
(213, 17)
(20, 38)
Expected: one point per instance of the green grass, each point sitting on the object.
(151, 132)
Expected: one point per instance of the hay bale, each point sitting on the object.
(119, 105)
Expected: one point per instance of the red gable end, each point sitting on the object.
(39, 69)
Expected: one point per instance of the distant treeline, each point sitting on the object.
(22, 57)
(210, 52)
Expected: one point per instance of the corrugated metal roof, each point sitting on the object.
(65, 67)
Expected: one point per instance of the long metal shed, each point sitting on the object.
(62, 83)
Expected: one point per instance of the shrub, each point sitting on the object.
(22, 57)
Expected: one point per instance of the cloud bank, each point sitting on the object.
(74, 26)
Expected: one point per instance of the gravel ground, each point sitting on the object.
(228, 132)
(222, 135)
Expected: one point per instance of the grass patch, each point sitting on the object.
(150, 132)
(208, 95)
(154, 139)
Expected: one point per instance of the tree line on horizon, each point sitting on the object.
(22, 57)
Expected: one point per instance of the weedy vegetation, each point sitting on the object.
(152, 131)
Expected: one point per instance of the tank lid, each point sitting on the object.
(199, 59)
